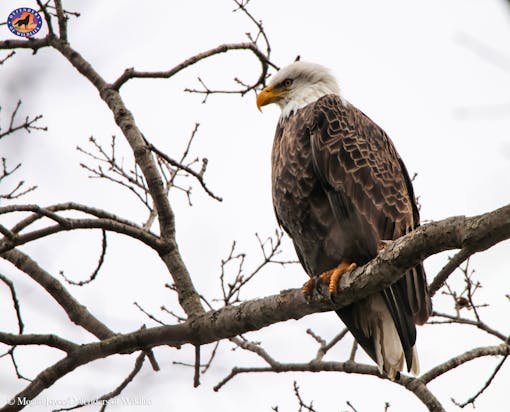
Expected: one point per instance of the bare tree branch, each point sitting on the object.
(15, 302)
(132, 73)
(29, 124)
(188, 296)
(77, 313)
(484, 231)
(30, 43)
(47, 16)
(102, 400)
(196, 374)
(11, 54)
(448, 269)
(103, 220)
(416, 386)
(197, 175)
(484, 50)
(471, 401)
(270, 248)
(100, 262)
(62, 20)
(463, 358)
(302, 405)
(52, 341)
(116, 173)
(422, 243)
(449, 319)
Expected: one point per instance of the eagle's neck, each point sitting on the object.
(303, 96)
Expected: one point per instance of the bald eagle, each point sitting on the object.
(340, 190)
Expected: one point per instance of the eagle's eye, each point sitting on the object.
(287, 83)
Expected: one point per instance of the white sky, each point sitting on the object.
(412, 68)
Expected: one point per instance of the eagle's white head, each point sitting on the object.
(298, 85)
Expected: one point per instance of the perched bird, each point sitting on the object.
(340, 190)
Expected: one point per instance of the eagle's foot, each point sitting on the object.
(314, 284)
(332, 276)
(329, 278)
(309, 287)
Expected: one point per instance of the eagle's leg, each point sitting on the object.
(329, 277)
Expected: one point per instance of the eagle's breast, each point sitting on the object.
(300, 203)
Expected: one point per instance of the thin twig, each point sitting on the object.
(211, 358)
(448, 269)
(350, 405)
(62, 20)
(149, 315)
(354, 349)
(2, 61)
(94, 274)
(449, 319)
(131, 73)
(270, 248)
(47, 16)
(19, 375)
(198, 175)
(103, 400)
(15, 302)
(29, 124)
(196, 375)
(255, 348)
(484, 387)
(302, 404)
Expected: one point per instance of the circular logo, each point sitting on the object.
(24, 22)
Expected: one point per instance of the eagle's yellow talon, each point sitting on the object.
(332, 276)
(308, 288)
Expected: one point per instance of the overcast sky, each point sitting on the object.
(435, 77)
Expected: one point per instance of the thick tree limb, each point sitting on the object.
(388, 266)
(77, 313)
(188, 296)
(479, 232)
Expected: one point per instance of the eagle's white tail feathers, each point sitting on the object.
(388, 349)
(415, 369)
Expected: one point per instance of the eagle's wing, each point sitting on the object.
(371, 195)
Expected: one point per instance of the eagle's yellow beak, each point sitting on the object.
(268, 96)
